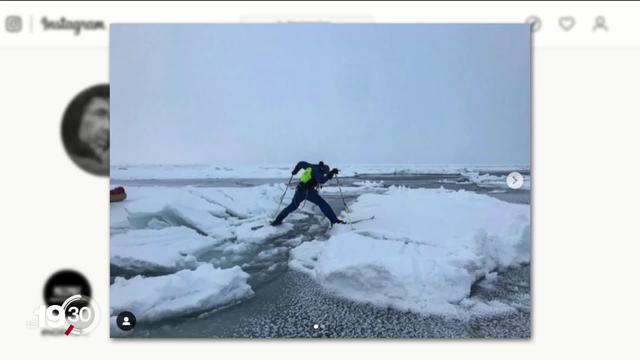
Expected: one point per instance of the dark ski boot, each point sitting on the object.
(337, 222)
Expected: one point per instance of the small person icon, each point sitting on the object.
(126, 321)
(600, 23)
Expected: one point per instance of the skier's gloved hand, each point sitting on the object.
(334, 172)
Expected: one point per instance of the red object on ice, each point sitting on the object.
(69, 329)
(116, 191)
(117, 194)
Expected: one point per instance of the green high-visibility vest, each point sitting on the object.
(306, 176)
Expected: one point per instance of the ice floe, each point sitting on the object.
(186, 292)
(158, 250)
(422, 252)
(175, 251)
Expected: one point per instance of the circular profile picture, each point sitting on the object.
(64, 284)
(85, 130)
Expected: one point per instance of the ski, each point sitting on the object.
(353, 222)
(361, 220)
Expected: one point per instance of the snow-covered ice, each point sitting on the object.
(422, 252)
(359, 187)
(153, 206)
(244, 202)
(175, 230)
(186, 292)
(158, 250)
(164, 228)
(220, 213)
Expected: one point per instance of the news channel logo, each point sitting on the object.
(78, 315)
(13, 23)
(68, 308)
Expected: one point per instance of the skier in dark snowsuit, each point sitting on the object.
(312, 177)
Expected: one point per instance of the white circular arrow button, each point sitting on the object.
(515, 180)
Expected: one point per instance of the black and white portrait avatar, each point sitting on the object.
(85, 130)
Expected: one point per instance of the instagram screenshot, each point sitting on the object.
(319, 179)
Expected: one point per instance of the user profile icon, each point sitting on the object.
(85, 130)
(126, 321)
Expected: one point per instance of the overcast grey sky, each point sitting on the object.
(278, 93)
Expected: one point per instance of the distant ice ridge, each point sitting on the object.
(422, 252)
(186, 292)
(359, 188)
(158, 172)
(490, 180)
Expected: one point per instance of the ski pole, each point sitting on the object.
(346, 208)
(282, 197)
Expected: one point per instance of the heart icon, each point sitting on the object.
(567, 22)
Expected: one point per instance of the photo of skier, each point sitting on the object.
(320, 180)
